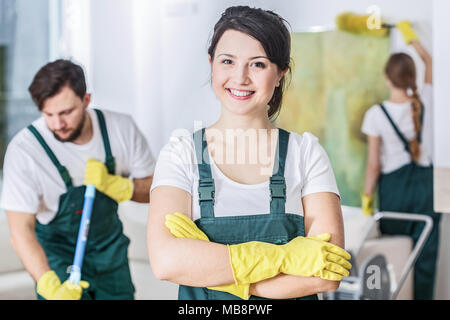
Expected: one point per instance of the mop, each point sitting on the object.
(89, 196)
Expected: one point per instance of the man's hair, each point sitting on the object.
(54, 76)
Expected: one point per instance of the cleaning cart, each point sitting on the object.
(374, 279)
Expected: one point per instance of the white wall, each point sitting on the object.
(149, 59)
(441, 60)
(441, 83)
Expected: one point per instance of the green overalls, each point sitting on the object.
(277, 227)
(409, 189)
(105, 264)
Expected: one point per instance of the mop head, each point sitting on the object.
(358, 24)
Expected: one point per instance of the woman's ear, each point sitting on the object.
(210, 59)
(281, 75)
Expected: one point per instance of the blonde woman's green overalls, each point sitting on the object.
(410, 189)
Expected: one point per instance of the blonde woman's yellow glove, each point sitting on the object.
(183, 227)
(311, 256)
(407, 31)
(49, 287)
(116, 187)
(367, 204)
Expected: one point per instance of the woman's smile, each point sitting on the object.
(239, 94)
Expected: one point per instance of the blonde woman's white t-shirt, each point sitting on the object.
(307, 170)
(393, 153)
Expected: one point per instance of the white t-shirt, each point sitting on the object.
(31, 182)
(307, 170)
(393, 153)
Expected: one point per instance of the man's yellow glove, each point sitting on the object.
(367, 204)
(49, 287)
(302, 256)
(116, 187)
(183, 227)
(407, 31)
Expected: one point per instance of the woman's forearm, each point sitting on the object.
(423, 53)
(182, 260)
(372, 175)
(427, 59)
(286, 286)
(193, 262)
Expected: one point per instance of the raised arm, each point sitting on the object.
(178, 259)
(427, 59)
(412, 39)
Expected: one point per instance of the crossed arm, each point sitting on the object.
(177, 259)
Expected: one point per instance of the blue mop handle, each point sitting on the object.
(89, 196)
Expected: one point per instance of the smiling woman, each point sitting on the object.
(273, 234)
(271, 44)
(240, 75)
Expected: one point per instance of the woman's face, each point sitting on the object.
(243, 78)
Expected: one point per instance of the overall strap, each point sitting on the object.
(397, 131)
(206, 187)
(277, 180)
(109, 160)
(61, 169)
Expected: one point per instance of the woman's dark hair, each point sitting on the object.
(269, 29)
(52, 77)
(401, 71)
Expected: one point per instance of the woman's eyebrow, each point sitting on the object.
(226, 54)
(233, 56)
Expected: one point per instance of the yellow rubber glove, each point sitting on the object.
(311, 256)
(49, 287)
(116, 187)
(407, 31)
(183, 227)
(367, 204)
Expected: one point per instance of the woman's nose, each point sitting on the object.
(241, 74)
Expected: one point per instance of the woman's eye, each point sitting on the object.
(227, 61)
(259, 64)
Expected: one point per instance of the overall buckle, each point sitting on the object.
(206, 190)
(277, 187)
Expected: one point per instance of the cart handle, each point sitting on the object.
(417, 248)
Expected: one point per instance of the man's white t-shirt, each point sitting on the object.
(307, 170)
(31, 182)
(393, 153)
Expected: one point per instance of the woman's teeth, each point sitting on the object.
(241, 93)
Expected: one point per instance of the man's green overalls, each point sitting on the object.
(277, 227)
(410, 189)
(105, 264)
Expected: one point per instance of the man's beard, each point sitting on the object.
(75, 133)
